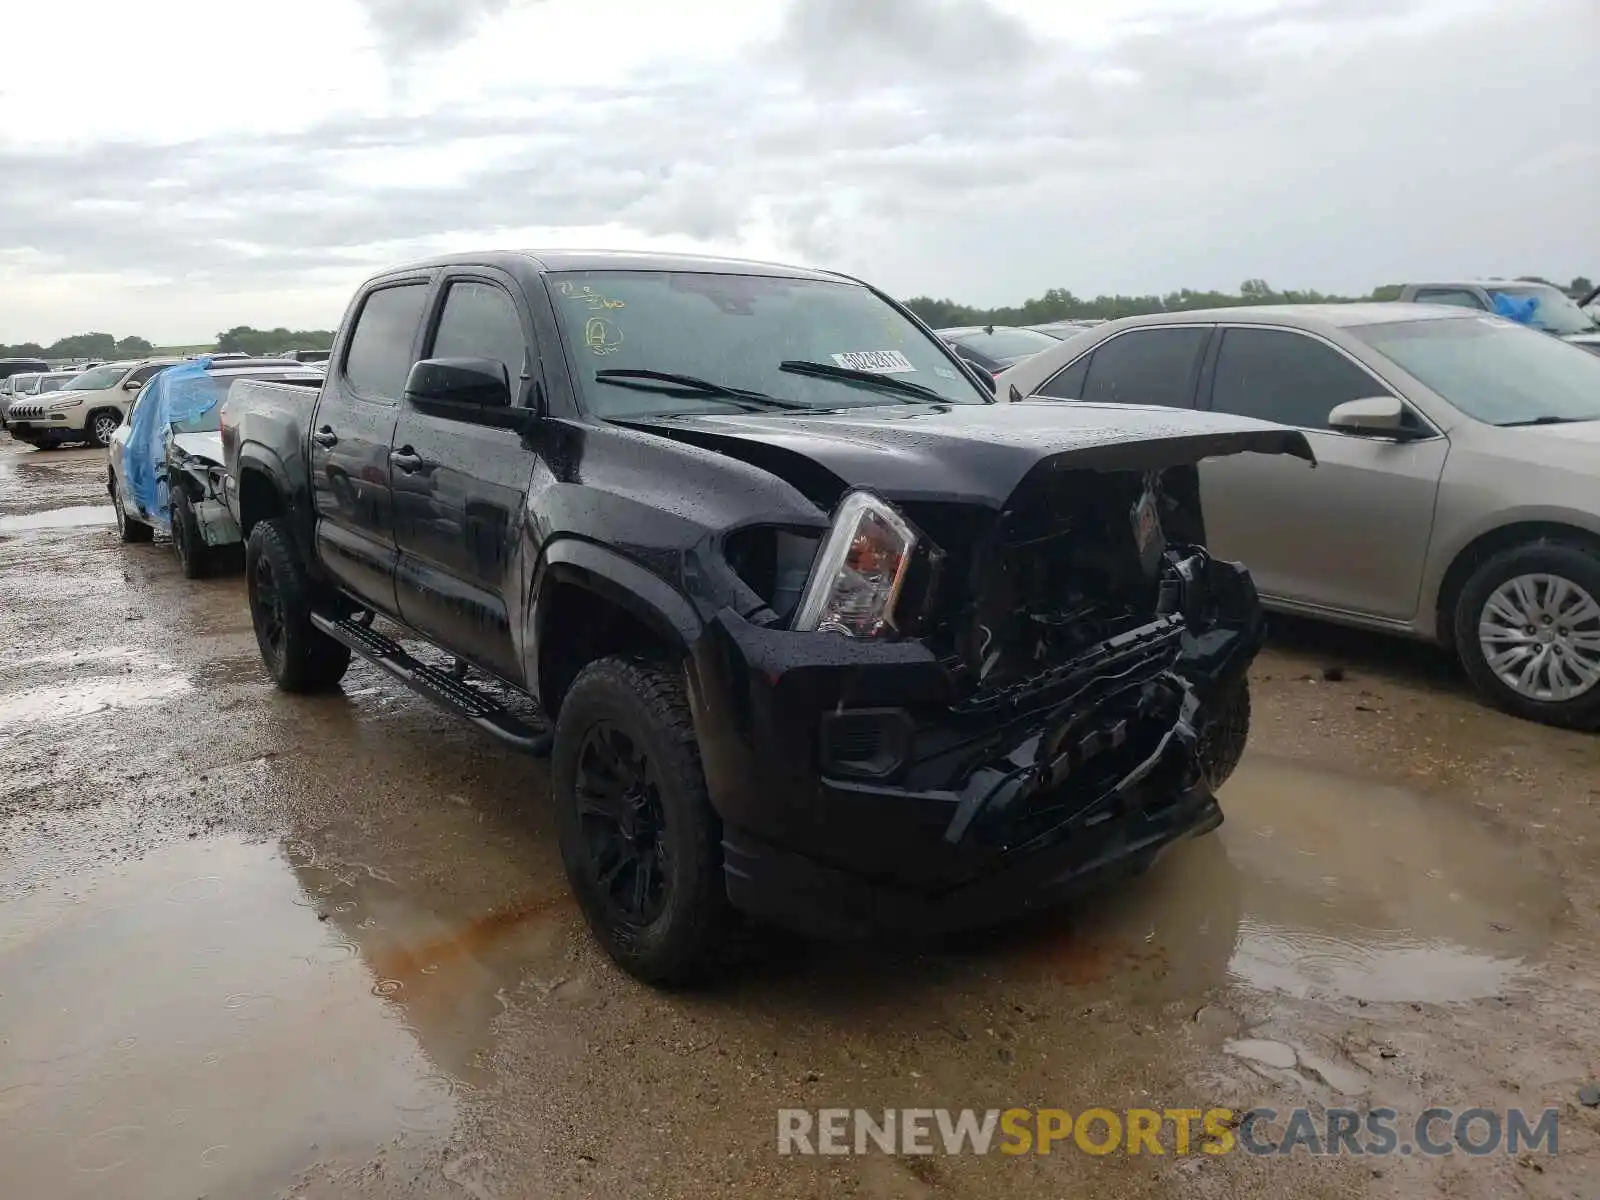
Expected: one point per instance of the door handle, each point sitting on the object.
(325, 436)
(405, 459)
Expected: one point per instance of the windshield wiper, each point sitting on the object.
(1544, 421)
(670, 383)
(869, 378)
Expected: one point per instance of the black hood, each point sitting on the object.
(978, 453)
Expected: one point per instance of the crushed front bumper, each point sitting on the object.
(861, 794)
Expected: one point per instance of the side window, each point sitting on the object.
(1452, 296)
(1067, 384)
(480, 321)
(1276, 375)
(145, 374)
(378, 358)
(1147, 366)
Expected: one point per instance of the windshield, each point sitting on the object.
(53, 383)
(1492, 369)
(737, 331)
(97, 380)
(1008, 344)
(1556, 311)
(24, 385)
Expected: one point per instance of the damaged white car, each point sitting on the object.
(165, 467)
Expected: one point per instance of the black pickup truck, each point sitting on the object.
(823, 635)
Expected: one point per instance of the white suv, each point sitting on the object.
(87, 409)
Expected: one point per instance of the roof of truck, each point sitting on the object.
(621, 260)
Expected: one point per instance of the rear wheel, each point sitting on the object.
(128, 529)
(194, 556)
(639, 839)
(298, 655)
(1527, 628)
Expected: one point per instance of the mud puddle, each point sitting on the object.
(221, 1015)
(87, 682)
(1317, 886)
(76, 517)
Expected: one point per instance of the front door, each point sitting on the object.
(459, 488)
(1350, 534)
(351, 433)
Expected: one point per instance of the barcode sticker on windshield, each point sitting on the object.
(879, 362)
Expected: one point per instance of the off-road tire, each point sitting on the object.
(1225, 733)
(1544, 557)
(301, 658)
(129, 530)
(194, 556)
(691, 933)
(92, 435)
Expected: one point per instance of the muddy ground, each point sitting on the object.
(257, 945)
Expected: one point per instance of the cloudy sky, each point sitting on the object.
(175, 167)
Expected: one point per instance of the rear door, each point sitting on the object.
(459, 487)
(1348, 535)
(351, 431)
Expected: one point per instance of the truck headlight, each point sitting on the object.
(859, 570)
(63, 405)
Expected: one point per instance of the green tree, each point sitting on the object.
(133, 347)
(1579, 287)
(83, 345)
(246, 339)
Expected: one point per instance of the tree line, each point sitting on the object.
(242, 339)
(1057, 304)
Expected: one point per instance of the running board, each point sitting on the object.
(453, 694)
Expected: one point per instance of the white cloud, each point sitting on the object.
(180, 168)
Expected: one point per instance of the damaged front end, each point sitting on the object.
(1013, 704)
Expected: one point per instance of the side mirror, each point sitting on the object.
(132, 385)
(467, 389)
(479, 382)
(1375, 414)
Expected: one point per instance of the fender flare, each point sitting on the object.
(616, 578)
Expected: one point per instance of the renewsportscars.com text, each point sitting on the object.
(1378, 1132)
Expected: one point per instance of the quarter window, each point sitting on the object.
(1067, 384)
(1277, 375)
(1146, 366)
(379, 355)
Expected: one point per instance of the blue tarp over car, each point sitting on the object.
(179, 393)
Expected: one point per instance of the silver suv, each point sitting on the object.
(87, 409)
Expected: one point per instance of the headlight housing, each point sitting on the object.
(859, 570)
(63, 405)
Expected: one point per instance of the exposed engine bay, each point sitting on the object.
(1093, 644)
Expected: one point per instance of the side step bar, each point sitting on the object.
(445, 690)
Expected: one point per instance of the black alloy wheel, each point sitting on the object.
(624, 824)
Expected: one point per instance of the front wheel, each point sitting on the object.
(128, 529)
(1527, 629)
(194, 556)
(639, 839)
(100, 426)
(298, 655)
(1225, 733)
